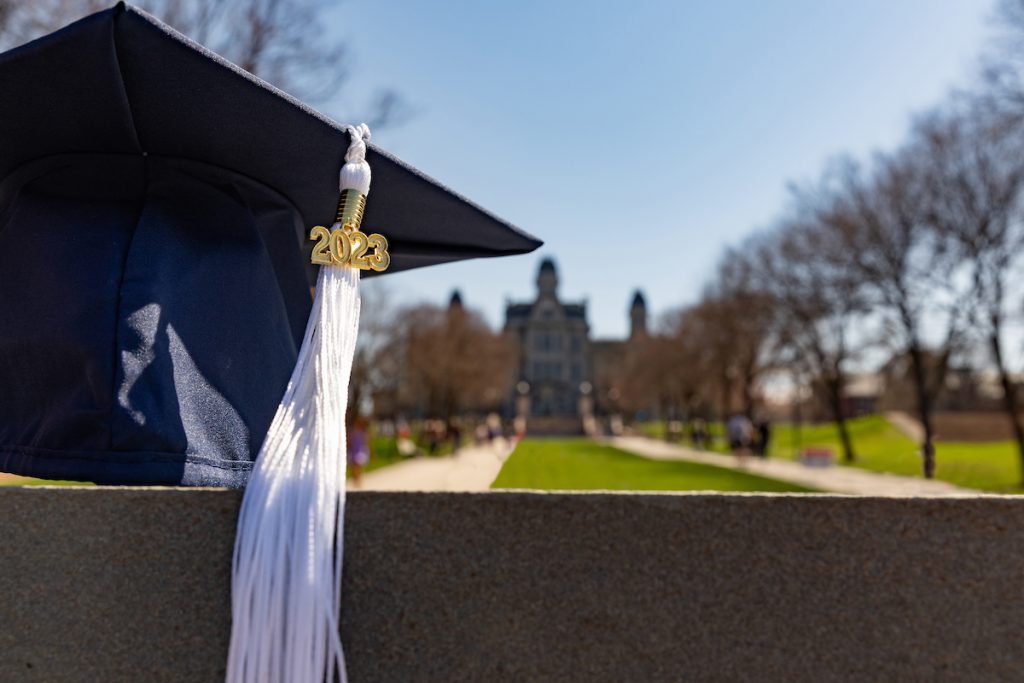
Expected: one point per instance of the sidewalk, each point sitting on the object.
(835, 479)
(469, 469)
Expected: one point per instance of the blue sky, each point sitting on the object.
(638, 139)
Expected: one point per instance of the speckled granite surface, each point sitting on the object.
(133, 585)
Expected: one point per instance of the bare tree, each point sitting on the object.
(818, 301)
(285, 42)
(6, 16)
(734, 324)
(711, 322)
(373, 366)
(1003, 64)
(904, 268)
(694, 362)
(747, 317)
(447, 361)
(975, 179)
(654, 372)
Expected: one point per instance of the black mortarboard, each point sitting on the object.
(155, 205)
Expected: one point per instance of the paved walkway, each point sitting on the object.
(836, 479)
(470, 469)
(907, 424)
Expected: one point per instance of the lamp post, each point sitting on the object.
(522, 406)
(586, 408)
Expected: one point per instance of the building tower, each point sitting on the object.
(638, 316)
(547, 280)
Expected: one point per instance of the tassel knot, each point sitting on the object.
(355, 174)
(359, 135)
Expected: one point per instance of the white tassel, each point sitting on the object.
(286, 574)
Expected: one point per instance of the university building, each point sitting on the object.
(563, 376)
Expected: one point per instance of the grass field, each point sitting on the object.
(385, 452)
(988, 466)
(13, 480)
(578, 464)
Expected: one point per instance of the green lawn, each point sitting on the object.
(715, 430)
(11, 480)
(385, 452)
(578, 464)
(879, 443)
(988, 466)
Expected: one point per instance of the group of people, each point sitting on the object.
(454, 432)
(747, 437)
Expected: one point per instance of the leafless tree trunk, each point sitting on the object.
(1009, 395)
(834, 387)
(924, 408)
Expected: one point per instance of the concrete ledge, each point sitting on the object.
(133, 585)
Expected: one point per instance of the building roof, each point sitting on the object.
(575, 311)
(517, 311)
(523, 311)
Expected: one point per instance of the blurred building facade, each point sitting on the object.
(564, 378)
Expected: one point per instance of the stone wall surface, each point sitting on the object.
(133, 585)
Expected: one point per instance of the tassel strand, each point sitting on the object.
(287, 564)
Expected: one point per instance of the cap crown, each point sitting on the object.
(155, 203)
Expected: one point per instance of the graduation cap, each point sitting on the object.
(156, 207)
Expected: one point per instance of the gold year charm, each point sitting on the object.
(344, 246)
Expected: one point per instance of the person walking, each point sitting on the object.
(359, 449)
(699, 434)
(740, 432)
(764, 437)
